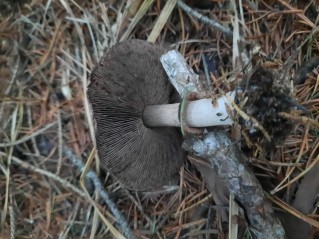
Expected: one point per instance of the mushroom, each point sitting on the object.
(133, 104)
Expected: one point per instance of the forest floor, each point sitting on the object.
(48, 49)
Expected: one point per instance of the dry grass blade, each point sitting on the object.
(236, 37)
(249, 118)
(161, 20)
(289, 172)
(60, 143)
(303, 119)
(184, 210)
(233, 213)
(141, 12)
(16, 122)
(277, 189)
(130, 10)
(300, 15)
(85, 99)
(293, 211)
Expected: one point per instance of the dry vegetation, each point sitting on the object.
(48, 49)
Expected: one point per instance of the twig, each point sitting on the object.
(33, 141)
(124, 227)
(47, 174)
(214, 24)
(12, 223)
(26, 138)
(121, 221)
(60, 143)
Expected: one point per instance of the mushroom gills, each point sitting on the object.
(128, 77)
(126, 88)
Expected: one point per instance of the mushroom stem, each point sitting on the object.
(161, 115)
(199, 113)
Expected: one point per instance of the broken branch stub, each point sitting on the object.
(176, 69)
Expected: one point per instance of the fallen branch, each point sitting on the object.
(214, 24)
(120, 220)
(221, 153)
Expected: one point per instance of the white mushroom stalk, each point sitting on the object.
(198, 113)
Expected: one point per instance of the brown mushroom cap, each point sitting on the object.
(128, 78)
